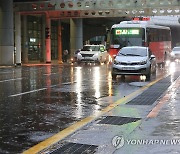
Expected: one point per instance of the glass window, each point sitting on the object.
(133, 52)
(127, 36)
(34, 37)
(176, 49)
(54, 44)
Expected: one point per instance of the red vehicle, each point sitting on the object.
(141, 33)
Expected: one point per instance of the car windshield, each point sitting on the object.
(133, 52)
(176, 49)
(91, 48)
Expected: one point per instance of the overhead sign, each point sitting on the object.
(127, 32)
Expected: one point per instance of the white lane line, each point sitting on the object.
(6, 72)
(27, 92)
(10, 80)
(65, 83)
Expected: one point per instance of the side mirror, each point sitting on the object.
(102, 49)
(114, 56)
(152, 57)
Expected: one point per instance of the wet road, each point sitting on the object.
(37, 102)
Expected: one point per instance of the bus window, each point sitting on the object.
(127, 36)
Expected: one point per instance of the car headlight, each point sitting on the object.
(172, 54)
(79, 54)
(143, 62)
(96, 54)
(116, 62)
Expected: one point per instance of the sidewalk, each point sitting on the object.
(159, 132)
(124, 127)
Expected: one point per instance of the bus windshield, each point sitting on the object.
(128, 37)
(91, 48)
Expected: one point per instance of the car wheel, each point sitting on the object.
(114, 76)
(154, 71)
(159, 65)
(148, 76)
(122, 77)
(78, 62)
(98, 62)
(163, 64)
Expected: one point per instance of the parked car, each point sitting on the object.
(93, 53)
(74, 58)
(175, 54)
(134, 60)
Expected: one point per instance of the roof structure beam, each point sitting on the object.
(105, 8)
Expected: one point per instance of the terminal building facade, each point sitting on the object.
(40, 30)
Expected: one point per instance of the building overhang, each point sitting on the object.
(102, 8)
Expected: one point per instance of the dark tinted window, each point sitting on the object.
(91, 48)
(157, 35)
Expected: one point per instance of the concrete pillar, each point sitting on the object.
(76, 35)
(18, 38)
(48, 40)
(59, 42)
(6, 33)
(25, 41)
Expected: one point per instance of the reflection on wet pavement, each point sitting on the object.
(170, 124)
(37, 102)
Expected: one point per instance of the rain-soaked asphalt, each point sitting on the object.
(37, 102)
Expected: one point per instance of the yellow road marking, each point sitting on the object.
(67, 131)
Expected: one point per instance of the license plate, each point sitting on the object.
(87, 58)
(128, 68)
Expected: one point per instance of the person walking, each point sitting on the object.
(65, 55)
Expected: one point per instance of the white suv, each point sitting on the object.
(93, 53)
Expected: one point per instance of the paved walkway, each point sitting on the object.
(160, 131)
(125, 128)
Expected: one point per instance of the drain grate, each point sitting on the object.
(75, 148)
(114, 120)
(149, 96)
